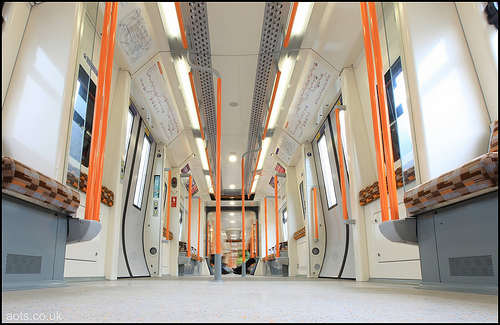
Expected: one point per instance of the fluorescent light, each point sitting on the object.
(200, 143)
(231, 203)
(265, 147)
(233, 158)
(254, 185)
(301, 18)
(231, 214)
(232, 221)
(286, 72)
(182, 70)
(209, 183)
(169, 18)
(232, 186)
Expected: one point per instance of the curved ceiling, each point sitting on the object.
(331, 41)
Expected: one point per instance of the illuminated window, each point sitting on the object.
(130, 121)
(327, 172)
(398, 115)
(285, 228)
(141, 176)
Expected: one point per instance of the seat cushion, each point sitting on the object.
(478, 174)
(22, 179)
(494, 138)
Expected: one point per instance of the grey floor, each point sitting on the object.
(250, 299)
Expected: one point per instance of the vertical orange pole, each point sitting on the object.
(386, 135)
(206, 236)
(290, 24)
(316, 236)
(375, 116)
(196, 104)
(243, 211)
(181, 24)
(168, 205)
(189, 217)
(104, 121)
(265, 210)
(278, 75)
(277, 215)
(199, 224)
(93, 158)
(341, 163)
(219, 179)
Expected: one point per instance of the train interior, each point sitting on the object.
(209, 141)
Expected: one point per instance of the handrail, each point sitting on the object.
(277, 217)
(181, 24)
(386, 132)
(189, 217)
(265, 228)
(104, 123)
(375, 117)
(199, 224)
(168, 204)
(278, 75)
(207, 249)
(255, 170)
(341, 162)
(243, 268)
(93, 159)
(196, 104)
(316, 237)
(218, 271)
(290, 24)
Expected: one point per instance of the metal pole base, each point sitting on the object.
(243, 269)
(218, 268)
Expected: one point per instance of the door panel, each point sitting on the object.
(137, 178)
(339, 257)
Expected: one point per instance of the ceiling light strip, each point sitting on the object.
(290, 24)
(196, 104)
(181, 24)
(276, 83)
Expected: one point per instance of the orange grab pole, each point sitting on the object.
(315, 214)
(206, 236)
(278, 75)
(243, 210)
(189, 217)
(196, 104)
(277, 217)
(93, 159)
(290, 24)
(375, 117)
(341, 163)
(265, 214)
(104, 120)
(181, 24)
(386, 133)
(217, 207)
(168, 205)
(199, 224)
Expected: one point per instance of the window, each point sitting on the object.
(285, 228)
(398, 115)
(83, 117)
(343, 135)
(130, 121)
(141, 176)
(326, 171)
(180, 224)
(301, 189)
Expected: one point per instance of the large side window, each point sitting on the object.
(398, 115)
(141, 177)
(327, 172)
